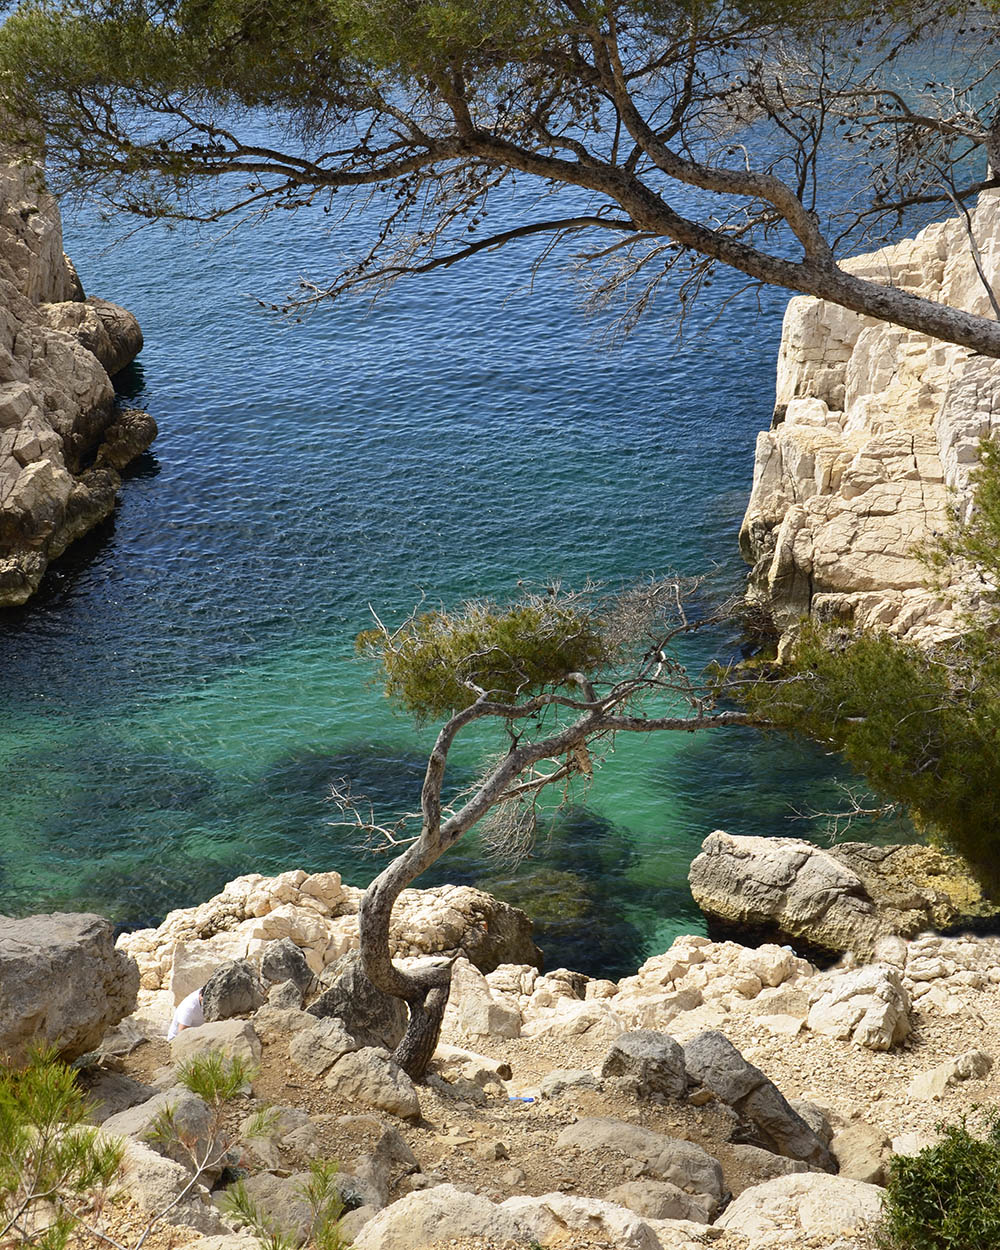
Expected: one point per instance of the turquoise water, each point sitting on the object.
(180, 696)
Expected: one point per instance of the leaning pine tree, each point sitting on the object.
(559, 678)
(646, 142)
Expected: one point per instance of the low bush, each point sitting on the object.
(948, 1196)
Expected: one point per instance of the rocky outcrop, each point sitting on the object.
(696, 985)
(870, 1006)
(62, 984)
(842, 899)
(370, 1015)
(875, 431)
(681, 1163)
(232, 990)
(645, 1133)
(319, 914)
(715, 1063)
(62, 442)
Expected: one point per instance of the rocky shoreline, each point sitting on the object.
(63, 443)
(737, 1093)
(725, 1095)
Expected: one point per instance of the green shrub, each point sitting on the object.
(948, 1196)
(922, 725)
(49, 1156)
(216, 1079)
(322, 1197)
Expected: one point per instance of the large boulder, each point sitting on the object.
(62, 983)
(805, 1205)
(681, 1163)
(829, 901)
(162, 1188)
(316, 1050)
(232, 1039)
(646, 1062)
(282, 961)
(846, 898)
(178, 1125)
(282, 1202)
(369, 1078)
(457, 920)
(436, 1216)
(715, 1062)
(659, 1200)
(783, 887)
(868, 1005)
(235, 989)
(473, 1010)
(370, 1015)
(561, 1220)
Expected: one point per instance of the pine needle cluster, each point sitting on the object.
(50, 1158)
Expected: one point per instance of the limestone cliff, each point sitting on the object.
(62, 442)
(875, 431)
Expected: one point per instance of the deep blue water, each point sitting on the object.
(179, 697)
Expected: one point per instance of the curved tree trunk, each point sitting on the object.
(425, 993)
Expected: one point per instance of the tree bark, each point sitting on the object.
(425, 993)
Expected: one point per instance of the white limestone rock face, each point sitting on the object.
(875, 432)
(61, 442)
(318, 913)
(473, 1012)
